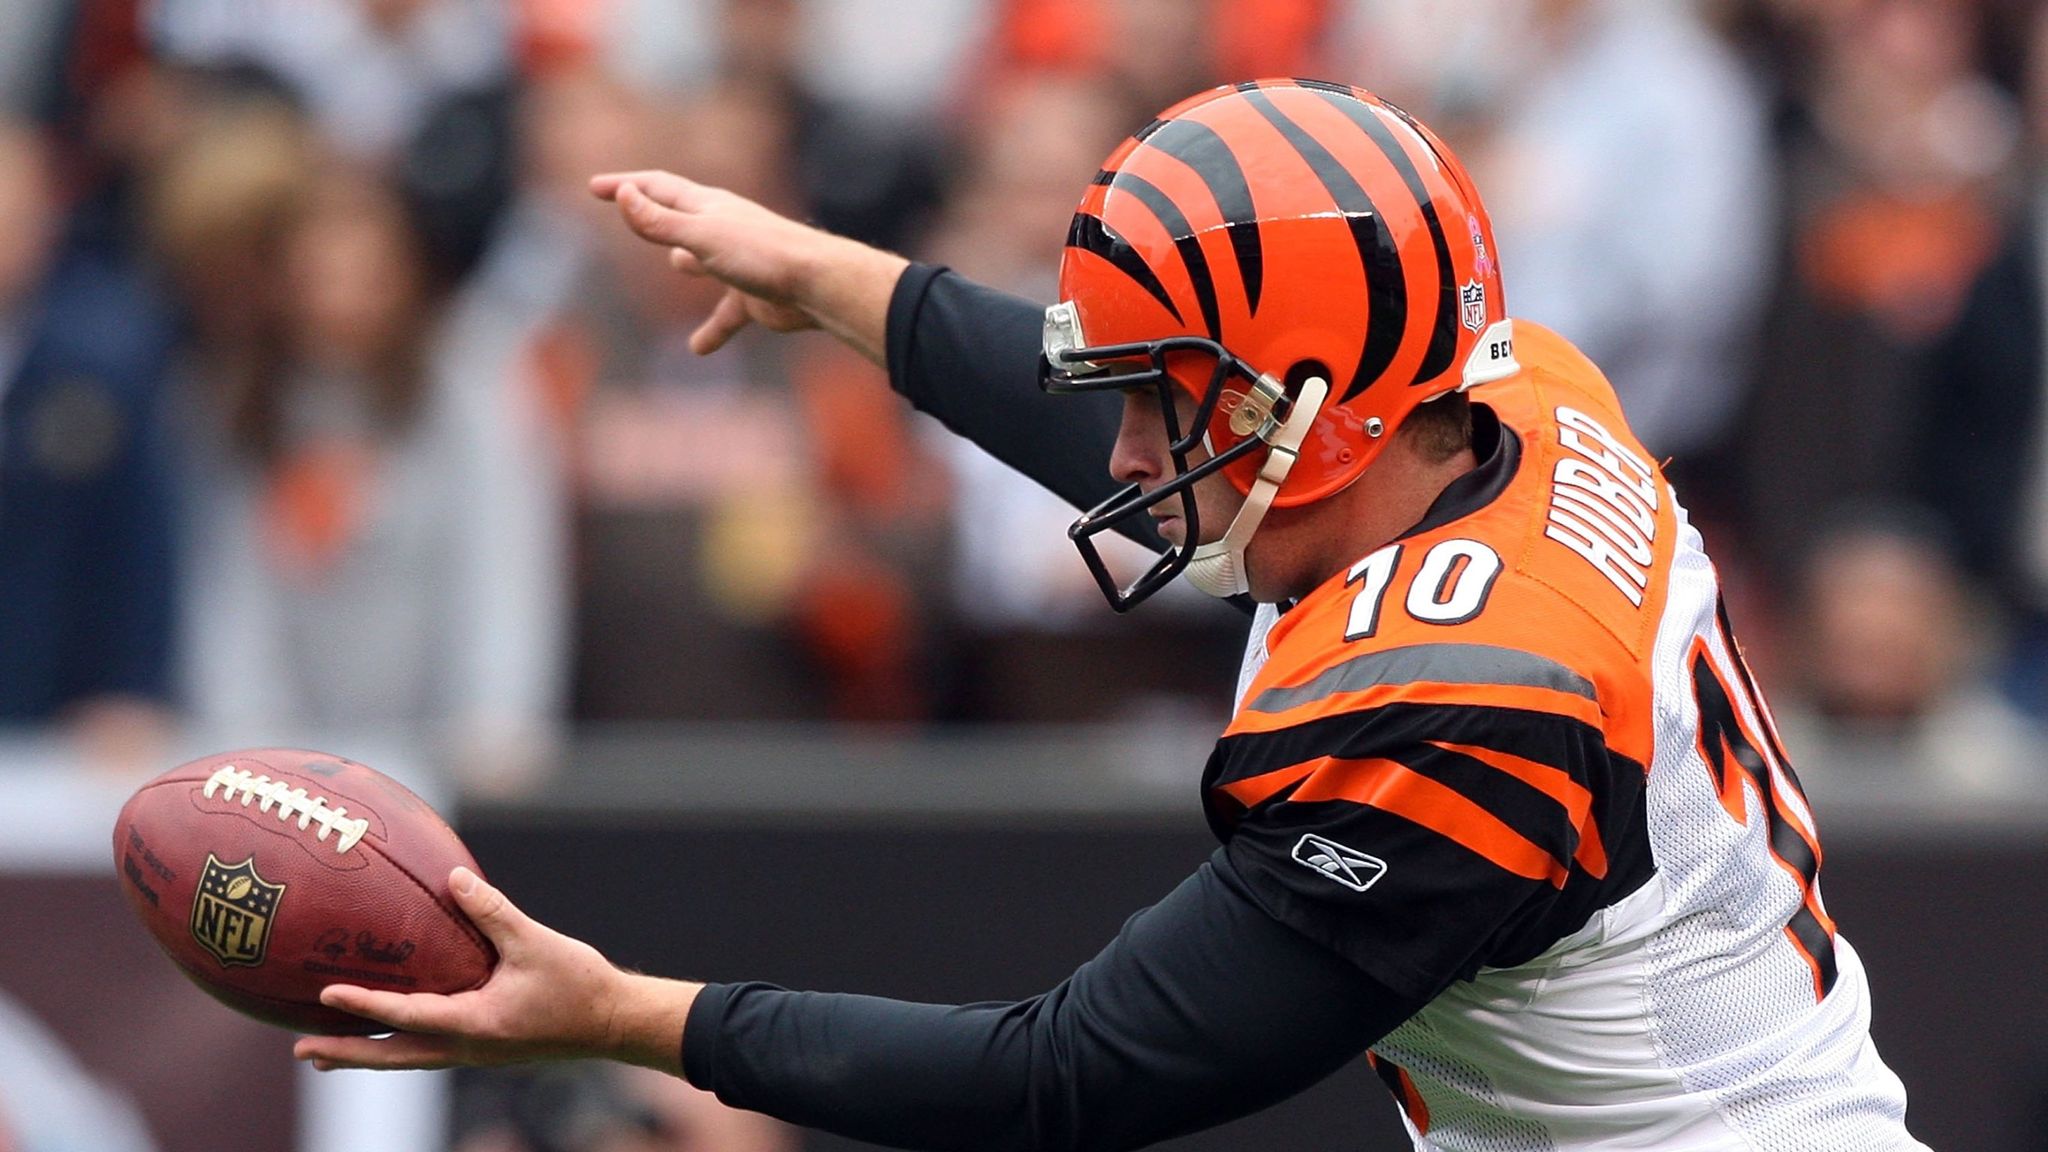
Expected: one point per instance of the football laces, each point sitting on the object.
(289, 801)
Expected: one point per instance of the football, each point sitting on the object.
(268, 874)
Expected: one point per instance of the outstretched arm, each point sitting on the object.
(960, 351)
(1204, 1008)
(778, 273)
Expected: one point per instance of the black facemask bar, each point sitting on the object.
(1148, 358)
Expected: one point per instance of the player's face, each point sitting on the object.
(1141, 457)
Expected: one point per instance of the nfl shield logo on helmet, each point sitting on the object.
(1472, 303)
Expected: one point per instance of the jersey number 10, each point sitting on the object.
(1451, 587)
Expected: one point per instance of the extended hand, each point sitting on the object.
(778, 273)
(551, 997)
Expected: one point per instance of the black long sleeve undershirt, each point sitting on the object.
(1203, 1009)
(968, 355)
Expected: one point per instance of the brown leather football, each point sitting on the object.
(268, 874)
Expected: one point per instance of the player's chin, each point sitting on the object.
(1172, 529)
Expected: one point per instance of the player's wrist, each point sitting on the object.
(646, 1020)
(845, 286)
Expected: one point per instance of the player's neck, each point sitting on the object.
(1316, 542)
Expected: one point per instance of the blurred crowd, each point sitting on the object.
(329, 398)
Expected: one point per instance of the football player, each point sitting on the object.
(1499, 804)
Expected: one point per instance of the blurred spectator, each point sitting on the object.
(370, 71)
(668, 446)
(220, 203)
(376, 525)
(1984, 443)
(50, 1103)
(1029, 609)
(607, 1108)
(574, 119)
(421, 88)
(738, 561)
(1153, 53)
(30, 31)
(1641, 219)
(861, 162)
(862, 170)
(1887, 700)
(85, 478)
(1037, 139)
(1636, 145)
(889, 61)
(1896, 146)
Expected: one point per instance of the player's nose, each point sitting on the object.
(1140, 454)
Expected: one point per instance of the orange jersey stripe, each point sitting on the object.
(1256, 790)
(1397, 789)
(1555, 783)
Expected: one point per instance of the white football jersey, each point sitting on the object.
(1524, 746)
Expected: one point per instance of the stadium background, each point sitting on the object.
(333, 413)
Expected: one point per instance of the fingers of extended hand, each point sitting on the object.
(405, 1050)
(651, 221)
(725, 320)
(404, 1012)
(664, 188)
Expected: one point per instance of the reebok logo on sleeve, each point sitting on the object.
(1347, 866)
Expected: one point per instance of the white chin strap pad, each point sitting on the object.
(1218, 567)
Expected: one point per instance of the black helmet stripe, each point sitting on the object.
(1380, 260)
(1197, 145)
(1184, 241)
(1090, 234)
(1443, 340)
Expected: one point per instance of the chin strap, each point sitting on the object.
(1218, 567)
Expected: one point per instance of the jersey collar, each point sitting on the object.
(1500, 454)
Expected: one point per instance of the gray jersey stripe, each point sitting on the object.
(1430, 663)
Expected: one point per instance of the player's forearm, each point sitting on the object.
(845, 287)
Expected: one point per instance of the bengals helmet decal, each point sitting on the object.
(1309, 263)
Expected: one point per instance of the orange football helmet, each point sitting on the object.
(1305, 259)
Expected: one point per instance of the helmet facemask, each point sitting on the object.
(1262, 413)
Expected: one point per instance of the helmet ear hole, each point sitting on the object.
(1300, 373)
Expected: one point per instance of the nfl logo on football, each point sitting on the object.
(232, 911)
(1472, 303)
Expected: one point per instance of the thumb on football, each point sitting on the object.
(487, 908)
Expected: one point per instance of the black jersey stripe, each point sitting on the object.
(1378, 257)
(1090, 234)
(1197, 145)
(1527, 811)
(1770, 730)
(1184, 241)
(1411, 734)
(1443, 338)
(1533, 814)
